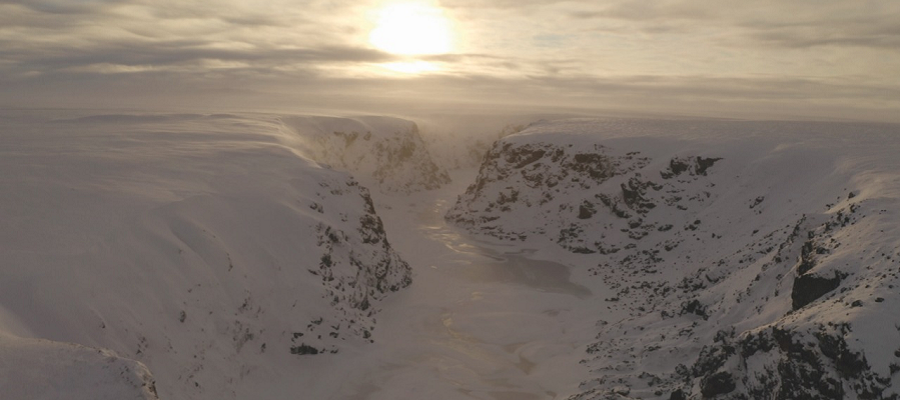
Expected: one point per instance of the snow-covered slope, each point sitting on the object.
(743, 259)
(386, 152)
(39, 369)
(202, 246)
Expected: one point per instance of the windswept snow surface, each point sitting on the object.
(37, 369)
(202, 246)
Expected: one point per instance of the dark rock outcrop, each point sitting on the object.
(716, 384)
(809, 287)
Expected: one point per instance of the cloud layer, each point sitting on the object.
(692, 56)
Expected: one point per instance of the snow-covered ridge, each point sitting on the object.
(751, 259)
(202, 246)
(41, 369)
(388, 152)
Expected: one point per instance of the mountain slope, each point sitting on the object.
(386, 151)
(742, 259)
(202, 246)
(41, 369)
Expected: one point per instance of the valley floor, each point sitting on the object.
(481, 321)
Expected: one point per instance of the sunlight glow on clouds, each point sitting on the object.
(411, 67)
(412, 27)
(672, 53)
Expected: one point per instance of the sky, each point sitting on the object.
(760, 59)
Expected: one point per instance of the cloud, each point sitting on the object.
(669, 53)
(499, 4)
(62, 6)
(795, 24)
(183, 54)
(263, 88)
(882, 33)
(41, 37)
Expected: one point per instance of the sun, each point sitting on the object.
(412, 28)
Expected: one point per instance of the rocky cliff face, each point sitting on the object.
(751, 260)
(386, 151)
(356, 266)
(563, 182)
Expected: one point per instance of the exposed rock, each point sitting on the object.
(693, 166)
(809, 287)
(716, 384)
(704, 164)
(586, 210)
(524, 173)
(361, 281)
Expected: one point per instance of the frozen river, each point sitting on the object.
(480, 321)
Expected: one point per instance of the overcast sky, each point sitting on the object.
(838, 58)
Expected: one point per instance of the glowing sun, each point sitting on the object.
(412, 27)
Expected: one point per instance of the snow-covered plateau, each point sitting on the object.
(244, 256)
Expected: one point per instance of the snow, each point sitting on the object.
(40, 369)
(465, 330)
(196, 244)
(207, 247)
(697, 255)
